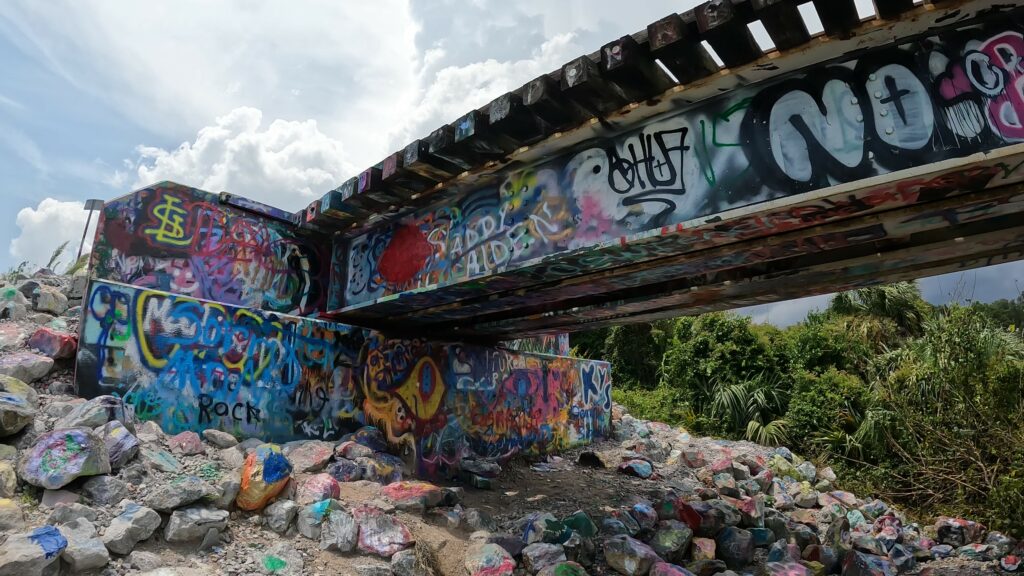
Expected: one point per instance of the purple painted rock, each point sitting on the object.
(350, 449)
(54, 344)
(121, 444)
(60, 456)
(264, 475)
(25, 366)
(489, 560)
(638, 468)
(310, 456)
(786, 569)
(18, 405)
(860, 564)
(644, 515)
(371, 437)
(958, 532)
(703, 549)
(32, 552)
(380, 533)
(666, 569)
(628, 556)
(413, 496)
(187, 443)
(563, 569)
(382, 468)
(316, 488)
(345, 470)
(735, 547)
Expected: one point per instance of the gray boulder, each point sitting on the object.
(219, 438)
(85, 551)
(104, 490)
(278, 515)
(193, 523)
(98, 411)
(25, 366)
(339, 532)
(135, 524)
(31, 553)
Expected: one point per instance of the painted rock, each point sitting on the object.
(703, 549)
(666, 569)
(18, 405)
(1010, 563)
(25, 366)
(786, 569)
(480, 467)
(540, 555)
(309, 456)
(413, 496)
(121, 444)
(861, 564)
(350, 449)
(31, 552)
(958, 532)
(671, 540)
(316, 488)
(581, 523)
(264, 475)
(310, 518)
(371, 437)
(186, 443)
(98, 411)
(60, 456)
(382, 468)
(10, 336)
(54, 344)
(628, 556)
(282, 559)
(380, 533)
(638, 468)
(644, 515)
(339, 532)
(489, 560)
(161, 460)
(735, 547)
(345, 470)
(677, 509)
(133, 525)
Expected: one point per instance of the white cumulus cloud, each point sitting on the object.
(45, 227)
(283, 163)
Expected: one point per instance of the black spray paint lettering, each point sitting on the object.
(655, 169)
(239, 411)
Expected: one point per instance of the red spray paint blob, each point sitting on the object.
(405, 255)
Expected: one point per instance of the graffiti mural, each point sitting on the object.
(192, 364)
(182, 240)
(931, 100)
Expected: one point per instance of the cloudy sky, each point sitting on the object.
(277, 101)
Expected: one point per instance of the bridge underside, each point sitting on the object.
(889, 151)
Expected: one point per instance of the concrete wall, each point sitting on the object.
(190, 362)
(182, 240)
(891, 109)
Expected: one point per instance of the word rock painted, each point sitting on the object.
(891, 109)
(193, 364)
(177, 239)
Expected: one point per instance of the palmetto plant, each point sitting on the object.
(900, 302)
(752, 407)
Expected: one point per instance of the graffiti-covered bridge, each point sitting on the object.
(678, 170)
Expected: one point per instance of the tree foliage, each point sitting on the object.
(923, 405)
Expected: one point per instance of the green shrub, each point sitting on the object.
(635, 351)
(827, 412)
(661, 404)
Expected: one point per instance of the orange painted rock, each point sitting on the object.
(264, 475)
